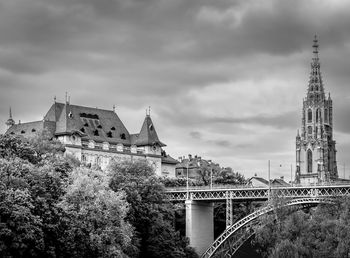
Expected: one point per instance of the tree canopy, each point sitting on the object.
(323, 231)
(150, 214)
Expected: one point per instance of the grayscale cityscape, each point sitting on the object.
(161, 128)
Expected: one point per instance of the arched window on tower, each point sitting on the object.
(309, 161)
(317, 115)
(309, 116)
(309, 130)
(316, 131)
(326, 115)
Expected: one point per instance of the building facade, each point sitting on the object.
(96, 136)
(315, 148)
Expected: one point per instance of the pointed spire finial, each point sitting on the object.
(113, 108)
(149, 110)
(315, 46)
(54, 98)
(10, 122)
(66, 97)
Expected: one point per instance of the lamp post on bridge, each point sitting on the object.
(187, 190)
(268, 178)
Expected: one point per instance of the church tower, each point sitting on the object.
(315, 147)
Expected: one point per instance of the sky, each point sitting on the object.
(225, 79)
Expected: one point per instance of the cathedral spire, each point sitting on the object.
(315, 89)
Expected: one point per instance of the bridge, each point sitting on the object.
(199, 202)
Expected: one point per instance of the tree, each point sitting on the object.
(21, 232)
(96, 216)
(317, 232)
(150, 214)
(227, 176)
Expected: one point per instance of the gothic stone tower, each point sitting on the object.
(315, 147)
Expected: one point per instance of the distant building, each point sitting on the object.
(256, 181)
(96, 136)
(195, 165)
(315, 148)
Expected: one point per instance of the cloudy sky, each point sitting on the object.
(225, 79)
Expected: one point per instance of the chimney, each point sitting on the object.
(189, 156)
(180, 159)
(282, 178)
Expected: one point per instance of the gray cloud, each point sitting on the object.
(230, 74)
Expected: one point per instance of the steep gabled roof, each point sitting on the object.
(26, 129)
(96, 124)
(148, 134)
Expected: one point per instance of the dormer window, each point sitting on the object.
(122, 136)
(113, 128)
(33, 130)
(96, 133)
(99, 126)
(109, 134)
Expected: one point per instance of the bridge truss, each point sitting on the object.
(234, 236)
(244, 194)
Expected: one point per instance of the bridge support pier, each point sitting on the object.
(200, 224)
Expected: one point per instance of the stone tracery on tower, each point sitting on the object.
(315, 147)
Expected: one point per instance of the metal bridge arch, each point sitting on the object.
(234, 236)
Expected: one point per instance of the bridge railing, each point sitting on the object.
(247, 186)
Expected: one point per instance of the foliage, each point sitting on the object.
(96, 216)
(323, 231)
(227, 176)
(151, 216)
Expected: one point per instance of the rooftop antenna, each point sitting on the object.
(66, 97)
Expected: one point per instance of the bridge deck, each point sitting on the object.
(256, 193)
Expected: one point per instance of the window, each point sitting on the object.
(96, 132)
(99, 126)
(23, 131)
(109, 134)
(309, 161)
(316, 129)
(326, 115)
(122, 136)
(113, 128)
(33, 130)
(86, 124)
(309, 130)
(82, 130)
(317, 115)
(309, 116)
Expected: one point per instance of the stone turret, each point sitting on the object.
(10, 122)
